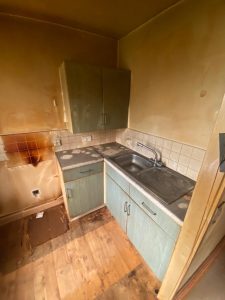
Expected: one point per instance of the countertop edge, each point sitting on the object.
(82, 164)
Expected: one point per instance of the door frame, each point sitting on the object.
(207, 194)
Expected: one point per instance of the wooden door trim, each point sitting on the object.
(201, 271)
(207, 194)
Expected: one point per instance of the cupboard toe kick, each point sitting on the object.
(150, 229)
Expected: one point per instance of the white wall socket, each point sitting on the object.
(86, 138)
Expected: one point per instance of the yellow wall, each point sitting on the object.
(178, 71)
(30, 55)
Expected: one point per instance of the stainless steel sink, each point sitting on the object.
(133, 163)
(165, 183)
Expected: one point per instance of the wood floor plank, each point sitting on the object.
(39, 280)
(93, 260)
(63, 267)
(52, 289)
(131, 287)
(101, 252)
(8, 286)
(88, 280)
(124, 246)
(24, 282)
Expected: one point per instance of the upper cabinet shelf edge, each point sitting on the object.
(94, 97)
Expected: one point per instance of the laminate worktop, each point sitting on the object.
(69, 159)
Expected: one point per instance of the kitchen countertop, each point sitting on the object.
(82, 156)
(69, 159)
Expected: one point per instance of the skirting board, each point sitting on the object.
(30, 211)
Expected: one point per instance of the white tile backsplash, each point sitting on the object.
(73, 141)
(172, 164)
(176, 147)
(182, 169)
(174, 156)
(183, 158)
(192, 174)
(198, 154)
(167, 144)
(186, 150)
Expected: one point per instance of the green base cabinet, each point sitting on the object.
(117, 202)
(151, 230)
(86, 191)
(154, 245)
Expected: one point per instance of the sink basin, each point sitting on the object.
(133, 163)
(166, 183)
(163, 182)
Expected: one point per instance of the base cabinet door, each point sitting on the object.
(84, 194)
(117, 202)
(154, 245)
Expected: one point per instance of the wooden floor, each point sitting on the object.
(92, 260)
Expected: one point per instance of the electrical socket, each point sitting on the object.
(57, 141)
(87, 138)
(36, 193)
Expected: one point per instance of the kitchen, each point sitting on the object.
(96, 109)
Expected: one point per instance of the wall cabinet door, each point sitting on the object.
(117, 202)
(154, 245)
(84, 194)
(94, 97)
(116, 95)
(84, 88)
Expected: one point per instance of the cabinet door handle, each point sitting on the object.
(148, 209)
(125, 206)
(69, 193)
(87, 171)
(128, 210)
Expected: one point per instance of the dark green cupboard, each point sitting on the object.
(94, 97)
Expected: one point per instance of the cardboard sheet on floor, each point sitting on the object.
(52, 224)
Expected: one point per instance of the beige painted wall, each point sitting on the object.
(30, 55)
(177, 62)
(16, 185)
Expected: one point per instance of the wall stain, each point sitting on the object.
(22, 149)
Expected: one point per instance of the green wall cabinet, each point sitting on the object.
(116, 94)
(86, 191)
(151, 230)
(94, 97)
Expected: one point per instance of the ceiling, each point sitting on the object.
(114, 18)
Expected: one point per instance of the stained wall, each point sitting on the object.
(177, 62)
(30, 101)
(31, 53)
